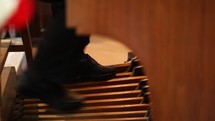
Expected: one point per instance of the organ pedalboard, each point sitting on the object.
(126, 97)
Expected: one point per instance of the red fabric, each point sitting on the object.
(23, 14)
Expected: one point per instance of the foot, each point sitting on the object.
(32, 85)
(90, 70)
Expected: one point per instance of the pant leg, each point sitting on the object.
(59, 51)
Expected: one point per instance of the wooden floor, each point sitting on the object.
(107, 51)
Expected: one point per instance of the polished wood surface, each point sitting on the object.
(8, 94)
(173, 39)
(4, 49)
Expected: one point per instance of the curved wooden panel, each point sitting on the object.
(175, 41)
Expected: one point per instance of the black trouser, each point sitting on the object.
(61, 48)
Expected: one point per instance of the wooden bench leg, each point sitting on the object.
(26, 38)
(26, 47)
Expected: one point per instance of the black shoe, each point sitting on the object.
(90, 70)
(32, 85)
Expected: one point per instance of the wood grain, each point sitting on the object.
(8, 93)
(174, 39)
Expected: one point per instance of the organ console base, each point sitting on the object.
(123, 98)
